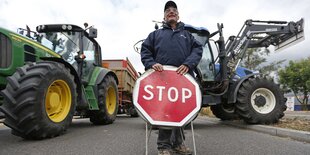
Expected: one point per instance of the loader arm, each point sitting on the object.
(255, 34)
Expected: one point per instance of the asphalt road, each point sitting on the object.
(126, 136)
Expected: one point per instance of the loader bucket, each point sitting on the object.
(288, 40)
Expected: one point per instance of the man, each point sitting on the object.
(171, 45)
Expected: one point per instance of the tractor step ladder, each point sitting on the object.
(149, 131)
(91, 98)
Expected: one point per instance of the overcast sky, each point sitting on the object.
(121, 23)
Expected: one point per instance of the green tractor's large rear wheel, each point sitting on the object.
(260, 101)
(39, 100)
(108, 102)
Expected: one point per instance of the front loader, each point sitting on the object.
(233, 91)
(51, 75)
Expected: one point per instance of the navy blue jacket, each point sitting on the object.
(171, 47)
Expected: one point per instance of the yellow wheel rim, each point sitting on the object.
(111, 100)
(58, 101)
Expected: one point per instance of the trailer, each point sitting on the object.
(127, 76)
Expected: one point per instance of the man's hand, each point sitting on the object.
(183, 69)
(158, 67)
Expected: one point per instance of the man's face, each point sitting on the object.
(171, 15)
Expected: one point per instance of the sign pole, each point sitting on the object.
(146, 139)
(147, 136)
(156, 94)
(193, 134)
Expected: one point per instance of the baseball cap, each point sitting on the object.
(170, 4)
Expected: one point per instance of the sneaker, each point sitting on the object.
(164, 152)
(182, 149)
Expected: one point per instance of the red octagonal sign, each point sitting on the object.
(167, 98)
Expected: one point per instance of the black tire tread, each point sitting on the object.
(101, 116)
(21, 95)
(243, 105)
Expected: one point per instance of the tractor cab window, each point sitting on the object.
(89, 49)
(89, 62)
(205, 67)
(201, 38)
(64, 43)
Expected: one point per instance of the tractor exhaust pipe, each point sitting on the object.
(222, 59)
(221, 88)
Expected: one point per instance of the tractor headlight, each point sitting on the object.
(69, 27)
(64, 27)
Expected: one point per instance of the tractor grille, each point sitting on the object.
(5, 51)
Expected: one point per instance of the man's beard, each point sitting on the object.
(172, 21)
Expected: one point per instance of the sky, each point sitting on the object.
(121, 23)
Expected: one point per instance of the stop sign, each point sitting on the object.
(167, 98)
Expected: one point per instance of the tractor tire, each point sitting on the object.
(260, 101)
(108, 102)
(39, 100)
(224, 111)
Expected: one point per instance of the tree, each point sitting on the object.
(297, 77)
(274, 66)
(255, 57)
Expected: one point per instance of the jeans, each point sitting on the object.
(170, 138)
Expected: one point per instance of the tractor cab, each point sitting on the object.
(74, 44)
(205, 68)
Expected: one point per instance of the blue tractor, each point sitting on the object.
(235, 92)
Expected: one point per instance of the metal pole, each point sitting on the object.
(193, 135)
(146, 138)
(182, 135)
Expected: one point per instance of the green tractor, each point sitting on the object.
(51, 75)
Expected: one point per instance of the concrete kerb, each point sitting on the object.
(275, 131)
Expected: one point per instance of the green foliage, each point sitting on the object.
(274, 66)
(296, 76)
(254, 57)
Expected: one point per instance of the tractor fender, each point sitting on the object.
(234, 87)
(103, 73)
(99, 74)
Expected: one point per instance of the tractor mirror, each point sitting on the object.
(92, 32)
